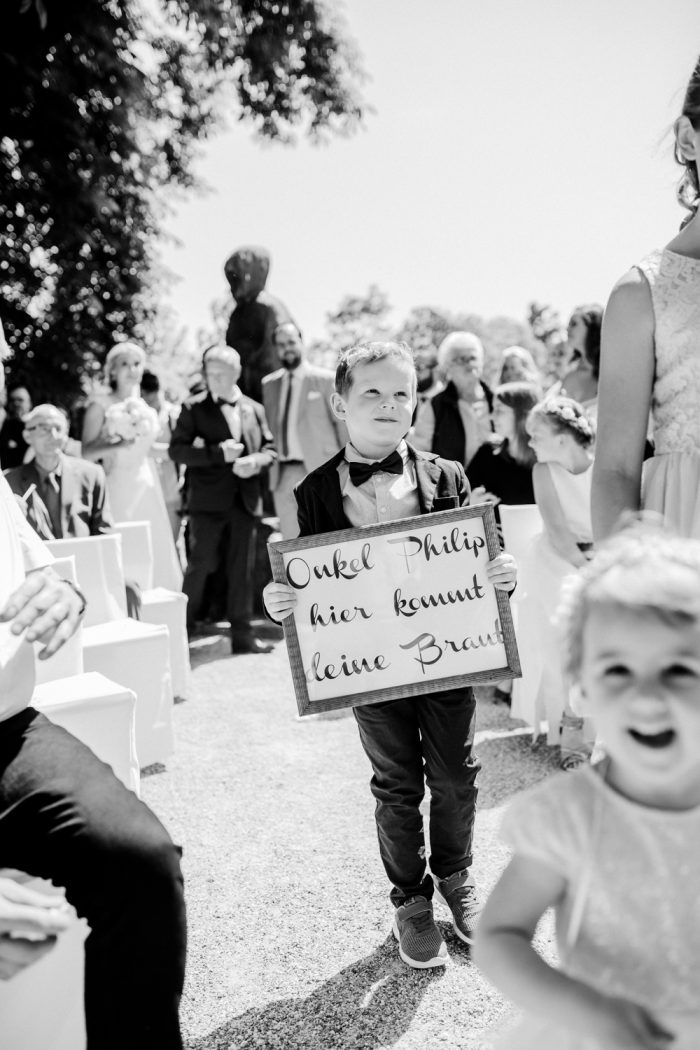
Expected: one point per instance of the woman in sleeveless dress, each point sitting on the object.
(133, 486)
(651, 360)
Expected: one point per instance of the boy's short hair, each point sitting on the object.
(367, 354)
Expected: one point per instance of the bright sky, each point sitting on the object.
(518, 151)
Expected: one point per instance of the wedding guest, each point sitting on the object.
(501, 470)
(561, 435)
(119, 430)
(65, 817)
(649, 362)
(579, 842)
(297, 405)
(62, 495)
(379, 477)
(580, 381)
(168, 472)
(456, 422)
(13, 446)
(518, 366)
(223, 439)
(429, 380)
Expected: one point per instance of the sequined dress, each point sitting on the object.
(671, 480)
(629, 923)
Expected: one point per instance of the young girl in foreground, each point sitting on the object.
(614, 848)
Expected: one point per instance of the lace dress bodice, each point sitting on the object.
(674, 281)
(629, 922)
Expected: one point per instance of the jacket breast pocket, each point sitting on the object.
(445, 503)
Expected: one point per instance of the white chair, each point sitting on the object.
(128, 651)
(42, 1007)
(98, 712)
(520, 524)
(159, 605)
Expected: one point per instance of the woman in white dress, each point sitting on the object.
(651, 359)
(133, 486)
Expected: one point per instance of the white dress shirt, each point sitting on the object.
(384, 496)
(21, 551)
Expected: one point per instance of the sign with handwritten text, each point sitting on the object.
(395, 610)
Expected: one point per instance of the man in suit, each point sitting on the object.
(61, 495)
(297, 404)
(223, 439)
(13, 446)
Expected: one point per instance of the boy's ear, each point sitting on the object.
(338, 406)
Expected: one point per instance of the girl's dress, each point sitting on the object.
(671, 479)
(134, 493)
(629, 922)
(539, 695)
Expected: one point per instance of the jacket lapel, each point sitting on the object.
(68, 482)
(330, 496)
(427, 477)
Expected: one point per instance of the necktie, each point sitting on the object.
(52, 499)
(284, 440)
(232, 416)
(361, 472)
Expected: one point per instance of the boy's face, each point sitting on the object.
(378, 407)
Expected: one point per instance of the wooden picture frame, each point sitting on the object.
(332, 642)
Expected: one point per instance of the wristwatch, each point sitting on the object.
(80, 594)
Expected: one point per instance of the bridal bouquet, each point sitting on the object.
(130, 419)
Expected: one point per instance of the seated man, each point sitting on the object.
(60, 495)
(64, 816)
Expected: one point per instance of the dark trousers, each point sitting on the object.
(423, 739)
(234, 534)
(64, 816)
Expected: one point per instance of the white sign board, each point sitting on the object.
(395, 610)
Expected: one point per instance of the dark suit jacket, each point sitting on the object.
(83, 503)
(442, 485)
(196, 443)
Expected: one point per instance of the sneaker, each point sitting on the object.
(459, 894)
(420, 942)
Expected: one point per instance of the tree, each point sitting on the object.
(102, 107)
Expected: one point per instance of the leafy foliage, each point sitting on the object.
(102, 107)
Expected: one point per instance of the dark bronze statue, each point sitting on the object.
(255, 317)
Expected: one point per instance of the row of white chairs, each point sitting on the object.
(112, 685)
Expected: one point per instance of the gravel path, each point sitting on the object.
(290, 942)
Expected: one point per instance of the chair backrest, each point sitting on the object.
(68, 661)
(137, 552)
(98, 565)
(520, 524)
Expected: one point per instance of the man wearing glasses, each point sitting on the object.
(457, 421)
(60, 495)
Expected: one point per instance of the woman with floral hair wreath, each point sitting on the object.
(561, 436)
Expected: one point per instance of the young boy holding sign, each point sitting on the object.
(379, 477)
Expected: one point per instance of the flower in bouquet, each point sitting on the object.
(130, 419)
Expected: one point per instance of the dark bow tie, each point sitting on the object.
(223, 401)
(360, 472)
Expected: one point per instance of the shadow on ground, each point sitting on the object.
(511, 763)
(367, 1005)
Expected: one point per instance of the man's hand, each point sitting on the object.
(279, 599)
(29, 924)
(246, 466)
(502, 572)
(231, 449)
(47, 608)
